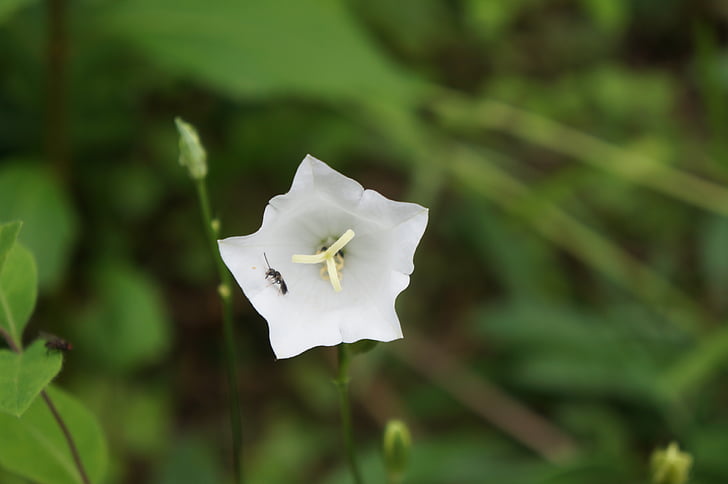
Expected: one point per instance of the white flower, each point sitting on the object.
(365, 245)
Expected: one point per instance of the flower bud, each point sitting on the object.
(191, 152)
(215, 226)
(670, 466)
(397, 443)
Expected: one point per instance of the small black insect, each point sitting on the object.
(54, 343)
(275, 277)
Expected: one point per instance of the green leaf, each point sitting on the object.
(28, 192)
(128, 327)
(24, 375)
(18, 290)
(8, 235)
(34, 446)
(307, 47)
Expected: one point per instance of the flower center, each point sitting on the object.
(330, 256)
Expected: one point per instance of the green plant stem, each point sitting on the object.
(342, 384)
(57, 416)
(225, 291)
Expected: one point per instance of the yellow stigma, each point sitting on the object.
(327, 257)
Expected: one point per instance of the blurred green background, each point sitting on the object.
(567, 313)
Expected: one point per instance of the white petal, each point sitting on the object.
(322, 204)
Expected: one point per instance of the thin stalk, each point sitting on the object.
(54, 411)
(225, 291)
(67, 434)
(342, 384)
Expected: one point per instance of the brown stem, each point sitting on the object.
(10, 341)
(57, 49)
(69, 437)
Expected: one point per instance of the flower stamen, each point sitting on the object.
(327, 256)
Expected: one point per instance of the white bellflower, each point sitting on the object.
(339, 256)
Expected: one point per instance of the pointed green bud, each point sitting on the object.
(191, 152)
(670, 466)
(397, 443)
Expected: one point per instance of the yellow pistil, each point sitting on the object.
(327, 257)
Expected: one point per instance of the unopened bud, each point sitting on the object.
(397, 443)
(191, 152)
(670, 466)
(215, 226)
(224, 291)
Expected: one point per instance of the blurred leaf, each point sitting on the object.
(29, 193)
(18, 290)
(514, 256)
(9, 7)
(132, 190)
(414, 26)
(127, 327)
(308, 47)
(7, 478)
(147, 419)
(562, 350)
(8, 235)
(191, 461)
(714, 263)
(34, 446)
(598, 427)
(24, 375)
(490, 19)
(708, 444)
(137, 417)
(626, 101)
(703, 362)
(611, 16)
(288, 451)
(710, 71)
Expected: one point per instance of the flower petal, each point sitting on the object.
(321, 205)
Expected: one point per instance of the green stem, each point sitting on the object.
(342, 384)
(225, 291)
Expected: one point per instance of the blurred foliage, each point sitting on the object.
(34, 446)
(572, 153)
(28, 192)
